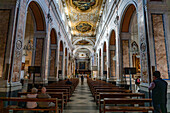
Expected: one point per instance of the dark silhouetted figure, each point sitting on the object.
(68, 82)
(82, 79)
(159, 93)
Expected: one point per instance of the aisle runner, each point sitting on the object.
(81, 101)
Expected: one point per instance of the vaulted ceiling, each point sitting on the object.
(83, 16)
(83, 19)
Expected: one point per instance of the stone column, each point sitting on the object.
(92, 63)
(63, 66)
(58, 60)
(99, 64)
(119, 74)
(73, 66)
(143, 44)
(13, 82)
(108, 61)
(102, 62)
(104, 65)
(67, 65)
(9, 21)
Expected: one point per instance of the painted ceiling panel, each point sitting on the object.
(83, 16)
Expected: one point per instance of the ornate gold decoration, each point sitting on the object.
(84, 27)
(84, 5)
(77, 12)
(83, 42)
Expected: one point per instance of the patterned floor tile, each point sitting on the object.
(81, 101)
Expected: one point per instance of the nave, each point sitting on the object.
(81, 100)
(115, 41)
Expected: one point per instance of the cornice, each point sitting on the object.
(108, 18)
(158, 7)
(57, 14)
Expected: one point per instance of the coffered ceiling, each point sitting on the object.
(83, 16)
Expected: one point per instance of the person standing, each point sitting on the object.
(159, 93)
(82, 79)
(137, 83)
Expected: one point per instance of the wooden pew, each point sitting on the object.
(19, 99)
(60, 86)
(65, 91)
(110, 90)
(54, 87)
(58, 95)
(117, 95)
(126, 101)
(63, 83)
(51, 92)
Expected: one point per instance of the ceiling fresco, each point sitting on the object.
(83, 27)
(84, 4)
(83, 16)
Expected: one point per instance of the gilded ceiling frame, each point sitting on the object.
(84, 22)
(92, 7)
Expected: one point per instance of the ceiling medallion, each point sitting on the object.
(84, 27)
(83, 5)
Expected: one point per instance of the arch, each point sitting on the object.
(65, 51)
(100, 52)
(53, 36)
(90, 41)
(112, 40)
(38, 16)
(126, 58)
(128, 13)
(61, 46)
(112, 53)
(86, 47)
(104, 47)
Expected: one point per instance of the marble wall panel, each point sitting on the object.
(99, 65)
(60, 62)
(69, 70)
(112, 64)
(105, 64)
(52, 62)
(39, 52)
(169, 24)
(4, 20)
(125, 47)
(95, 61)
(160, 47)
(66, 67)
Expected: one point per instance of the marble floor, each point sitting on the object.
(81, 100)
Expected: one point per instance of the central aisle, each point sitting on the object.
(81, 101)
